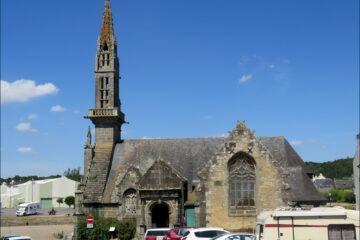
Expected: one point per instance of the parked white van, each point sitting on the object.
(322, 223)
(27, 209)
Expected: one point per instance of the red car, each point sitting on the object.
(176, 234)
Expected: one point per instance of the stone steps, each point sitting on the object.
(98, 174)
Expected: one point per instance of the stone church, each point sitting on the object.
(220, 181)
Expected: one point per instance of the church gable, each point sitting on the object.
(161, 176)
(129, 181)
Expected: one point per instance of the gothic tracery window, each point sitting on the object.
(130, 202)
(241, 183)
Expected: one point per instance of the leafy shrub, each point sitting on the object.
(125, 230)
(59, 235)
(340, 195)
(350, 197)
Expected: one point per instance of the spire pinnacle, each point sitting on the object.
(107, 30)
(88, 138)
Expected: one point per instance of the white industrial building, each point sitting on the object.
(44, 191)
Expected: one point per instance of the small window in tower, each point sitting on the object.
(107, 83)
(105, 47)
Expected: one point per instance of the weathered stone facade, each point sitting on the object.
(268, 182)
(222, 182)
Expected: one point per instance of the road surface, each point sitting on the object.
(38, 232)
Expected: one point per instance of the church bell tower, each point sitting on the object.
(107, 116)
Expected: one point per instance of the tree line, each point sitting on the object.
(338, 169)
(73, 174)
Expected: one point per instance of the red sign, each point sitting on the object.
(89, 221)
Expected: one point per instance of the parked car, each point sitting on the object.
(235, 236)
(16, 238)
(27, 209)
(204, 233)
(156, 233)
(177, 233)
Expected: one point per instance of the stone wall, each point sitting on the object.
(216, 183)
(106, 133)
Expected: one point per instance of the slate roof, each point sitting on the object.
(302, 190)
(326, 183)
(189, 155)
(344, 184)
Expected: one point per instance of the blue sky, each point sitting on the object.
(189, 69)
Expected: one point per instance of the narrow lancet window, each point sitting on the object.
(130, 202)
(241, 183)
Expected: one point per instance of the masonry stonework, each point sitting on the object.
(219, 181)
(216, 183)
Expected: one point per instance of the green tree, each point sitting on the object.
(70, 200)
(340, 168)
(60, 200)
(124, 229)
(73, 174)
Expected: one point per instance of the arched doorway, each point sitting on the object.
(159, 215)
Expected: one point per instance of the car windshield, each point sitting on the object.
(240, 237)
(183, 232)
(157, 233)
(209, 233)
(21, 208)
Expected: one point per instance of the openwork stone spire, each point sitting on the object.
(88, 138)
(107, 30)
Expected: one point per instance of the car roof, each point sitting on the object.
(19, 237)
(208, 229)
(158, 229)
(238, 233)
(179, 228)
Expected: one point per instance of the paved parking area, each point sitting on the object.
(43, 232)
(59, 211)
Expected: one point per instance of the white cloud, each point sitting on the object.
(245, 78)
(224, 135)
(296, 142)
(25, 127)
(32, 116)
(23, 90)
(24, 149)
(57, 108)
